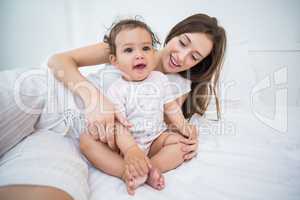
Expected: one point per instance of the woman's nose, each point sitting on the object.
(182, 56)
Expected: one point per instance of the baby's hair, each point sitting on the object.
(129, 24)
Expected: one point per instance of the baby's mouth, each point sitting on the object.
(139, 66)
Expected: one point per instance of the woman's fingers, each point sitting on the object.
(100, 131)
(188, 141)
(189, 156)
(110, 134)
(106, 133)
(92, 130)
(122, 120)
(189, 148)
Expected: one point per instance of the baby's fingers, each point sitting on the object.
(149, 165)
(133, 171)
(144, 167)
(127, 176)
(139, 168)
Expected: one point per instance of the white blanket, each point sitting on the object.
(244, 159)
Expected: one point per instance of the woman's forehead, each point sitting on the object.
(200, 42)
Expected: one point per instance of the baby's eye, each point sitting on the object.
(128, 50)
(146, 48)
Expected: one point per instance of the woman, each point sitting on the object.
(194, 48)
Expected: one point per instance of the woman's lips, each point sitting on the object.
(173, 63)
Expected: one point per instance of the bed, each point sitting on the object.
(239, 158)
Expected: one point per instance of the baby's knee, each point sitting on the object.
(173, 138)
(177, 152)
(172, 142)
(85, 140)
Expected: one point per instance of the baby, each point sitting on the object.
(143, 96)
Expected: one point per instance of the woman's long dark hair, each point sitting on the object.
(204, 75)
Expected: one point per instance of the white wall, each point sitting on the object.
(263, 35)
(30, 30)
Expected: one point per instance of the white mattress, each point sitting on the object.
(248, 160)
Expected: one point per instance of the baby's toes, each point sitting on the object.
(155, 179)
(130, 187)
(161, 183)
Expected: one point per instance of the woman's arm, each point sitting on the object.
(99, 110)
(65, 66)
(176, 118)
(191, 146)
(180, 100)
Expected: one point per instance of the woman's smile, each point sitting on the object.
(173, 62)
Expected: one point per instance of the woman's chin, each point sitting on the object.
(170, 69)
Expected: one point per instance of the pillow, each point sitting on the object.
(22, 97)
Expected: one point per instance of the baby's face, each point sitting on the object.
(134, 54)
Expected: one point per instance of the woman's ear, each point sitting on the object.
(113, 59)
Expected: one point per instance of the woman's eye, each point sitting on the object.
(182, 43)
(146, 48)
(128, 50)
(194, 58)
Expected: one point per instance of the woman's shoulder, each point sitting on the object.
(105, 76)
(176, 78)
(158, 75)
(106, 70)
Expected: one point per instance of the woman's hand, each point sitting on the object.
(101, 116)
(190, 142)
(189, 131)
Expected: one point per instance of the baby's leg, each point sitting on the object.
(166, 151)
(111, 162)
(165, 154)
(101, 156)
(106, 160)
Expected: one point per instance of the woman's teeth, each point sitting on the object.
(174, 63)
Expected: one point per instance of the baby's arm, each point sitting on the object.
(135, 158)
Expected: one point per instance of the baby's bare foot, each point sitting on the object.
(131, 182)
(156, 179)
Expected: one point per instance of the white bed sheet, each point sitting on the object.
(247, 160)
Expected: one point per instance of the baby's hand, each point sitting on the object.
(137, 162)
(190, 131)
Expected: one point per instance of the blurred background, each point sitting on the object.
(262, 62)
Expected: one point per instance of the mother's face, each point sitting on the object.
(185, 51)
